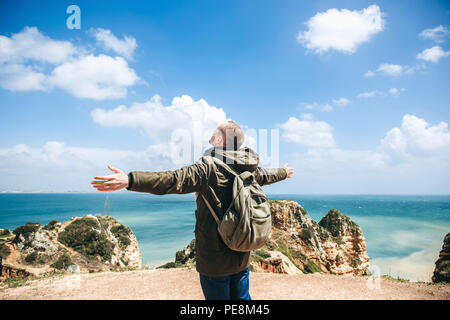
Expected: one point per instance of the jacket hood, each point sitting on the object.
(243, 159)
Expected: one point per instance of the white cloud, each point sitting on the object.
(31, 44)
(433, 54)
(436, 34)
(109, 41)
(308, 132)
(392, 70)
(95, 77)
(17, 77)
(316, 106)
(413, 158)
(341, 30)
(327, 107)
(31, 61)
(393, 91)
(161, 123)
(369, 94)
(311, 106)
(416, 138)
(376, 93)
(341, 101)
(41, 168)
(306, 116)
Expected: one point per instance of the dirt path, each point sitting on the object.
(184, 284)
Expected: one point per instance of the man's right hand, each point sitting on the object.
(113, 182)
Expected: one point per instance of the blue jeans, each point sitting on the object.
(233, 287)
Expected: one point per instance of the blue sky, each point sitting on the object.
(360, 105)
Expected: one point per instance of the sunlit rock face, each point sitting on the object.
(298, 244)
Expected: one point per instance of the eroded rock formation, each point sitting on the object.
(334, 245)
(92, 243)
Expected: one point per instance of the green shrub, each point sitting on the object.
(63, 262)
(323, 233)
(26, 230)
(180, 256)
(5, 232)
(85, 236)
(4, 251)
(263, 254)
(292, 254)
(122, 233)
(51, 225)
(335, 222)
(259, 255)
(31, 258)
(311, 267)
(306, 234)
(398, 279)
(299, 213)
(297, 254)
(15, 282)
(167, 265)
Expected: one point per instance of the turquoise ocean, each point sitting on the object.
(404, 234)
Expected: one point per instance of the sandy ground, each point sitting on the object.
(184, 284)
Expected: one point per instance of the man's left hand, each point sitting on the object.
(289, 171)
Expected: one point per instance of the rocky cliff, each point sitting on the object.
(299, 244)
(442, 269)
(91, 243)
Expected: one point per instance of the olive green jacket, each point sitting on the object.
(214, 258)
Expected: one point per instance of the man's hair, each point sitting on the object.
(233, 136)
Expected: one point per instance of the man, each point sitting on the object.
(223, 272)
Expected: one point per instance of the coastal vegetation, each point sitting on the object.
(91, 243)
(86, 236)
(24, 231)
(122, 233)
(63, 262)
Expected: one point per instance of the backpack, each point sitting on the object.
(246, 224)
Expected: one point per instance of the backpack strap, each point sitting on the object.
(244, 176)
(211, 209)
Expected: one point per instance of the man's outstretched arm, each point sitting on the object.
(185, 180)
(265, 176)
